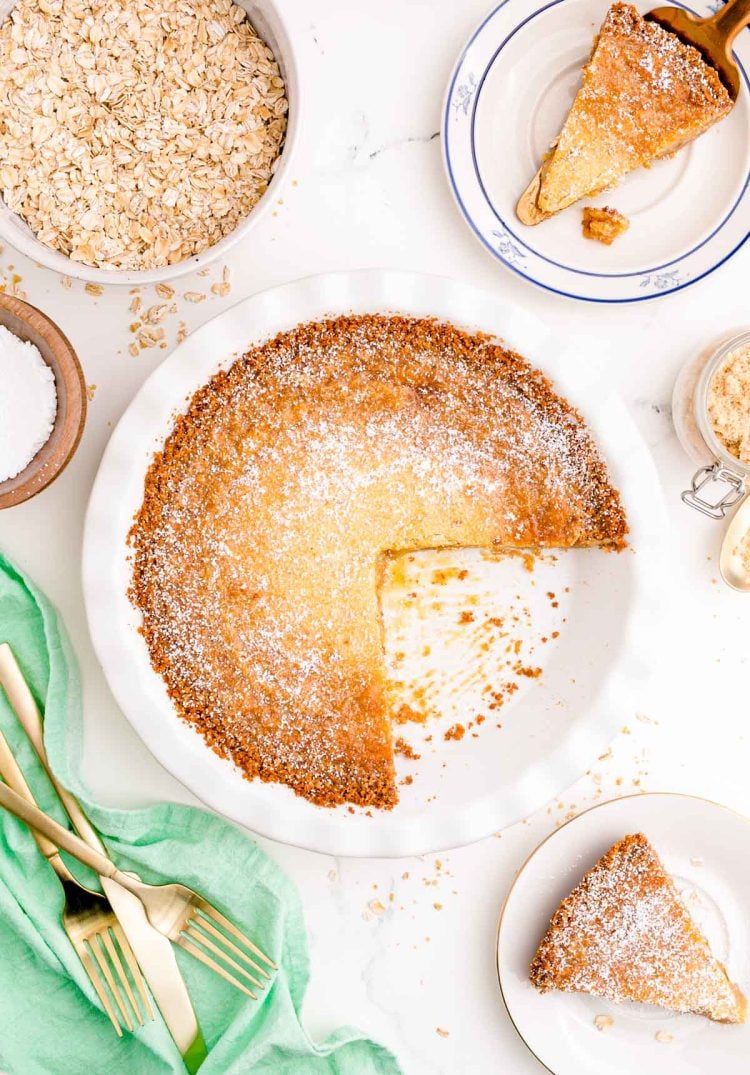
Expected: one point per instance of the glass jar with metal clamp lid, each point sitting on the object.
(723, 479)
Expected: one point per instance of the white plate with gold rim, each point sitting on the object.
(704, 848)
(593, 672)
(507, 98)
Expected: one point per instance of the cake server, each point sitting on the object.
(712, 36)
(153, 952)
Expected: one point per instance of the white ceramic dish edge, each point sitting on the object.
(180, 749)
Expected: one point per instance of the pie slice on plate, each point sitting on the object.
(624, 934)
(644, 95)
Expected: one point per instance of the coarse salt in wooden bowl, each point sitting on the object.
(31, 325)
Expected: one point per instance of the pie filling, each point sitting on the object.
(258, 547)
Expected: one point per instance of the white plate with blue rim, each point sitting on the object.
(506, 101)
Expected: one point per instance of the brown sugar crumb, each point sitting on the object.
(529, 673)
(400, 746)
(441, 1032)
(729, 403)
(261, 614)
(456, 731)
(406, 713)
(603, 225)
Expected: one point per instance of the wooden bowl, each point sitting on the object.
(30, 324)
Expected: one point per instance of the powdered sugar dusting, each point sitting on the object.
(258, 546)
(624, 934)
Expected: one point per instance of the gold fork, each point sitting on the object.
(174, 910)
(91, 925)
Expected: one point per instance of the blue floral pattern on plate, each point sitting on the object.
(662, 281)
(508, 250)
(464, 95)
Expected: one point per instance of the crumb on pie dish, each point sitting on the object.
(644, 95)
(604, 225)
(624, 934)
(270, 511)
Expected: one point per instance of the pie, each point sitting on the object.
(644, 95)
(269, 513)
(624, 933)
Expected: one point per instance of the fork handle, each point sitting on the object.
(60, 836)
(22, 702)
(11, 773)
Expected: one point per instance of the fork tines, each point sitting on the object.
(103, 953)
(232, 955)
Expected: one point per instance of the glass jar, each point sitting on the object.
(722, 480)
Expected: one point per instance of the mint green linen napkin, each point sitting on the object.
(50, 1019)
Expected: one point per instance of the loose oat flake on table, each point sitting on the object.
(136, 134)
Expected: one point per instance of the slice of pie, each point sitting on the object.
(645, 94)
(624, 933)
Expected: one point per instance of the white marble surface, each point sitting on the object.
(369, 190)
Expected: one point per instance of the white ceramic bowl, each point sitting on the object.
(267, 20)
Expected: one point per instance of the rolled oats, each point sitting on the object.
(156, 314)
(136, 133)
(150, 337)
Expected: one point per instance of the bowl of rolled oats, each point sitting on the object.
(141, 138)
